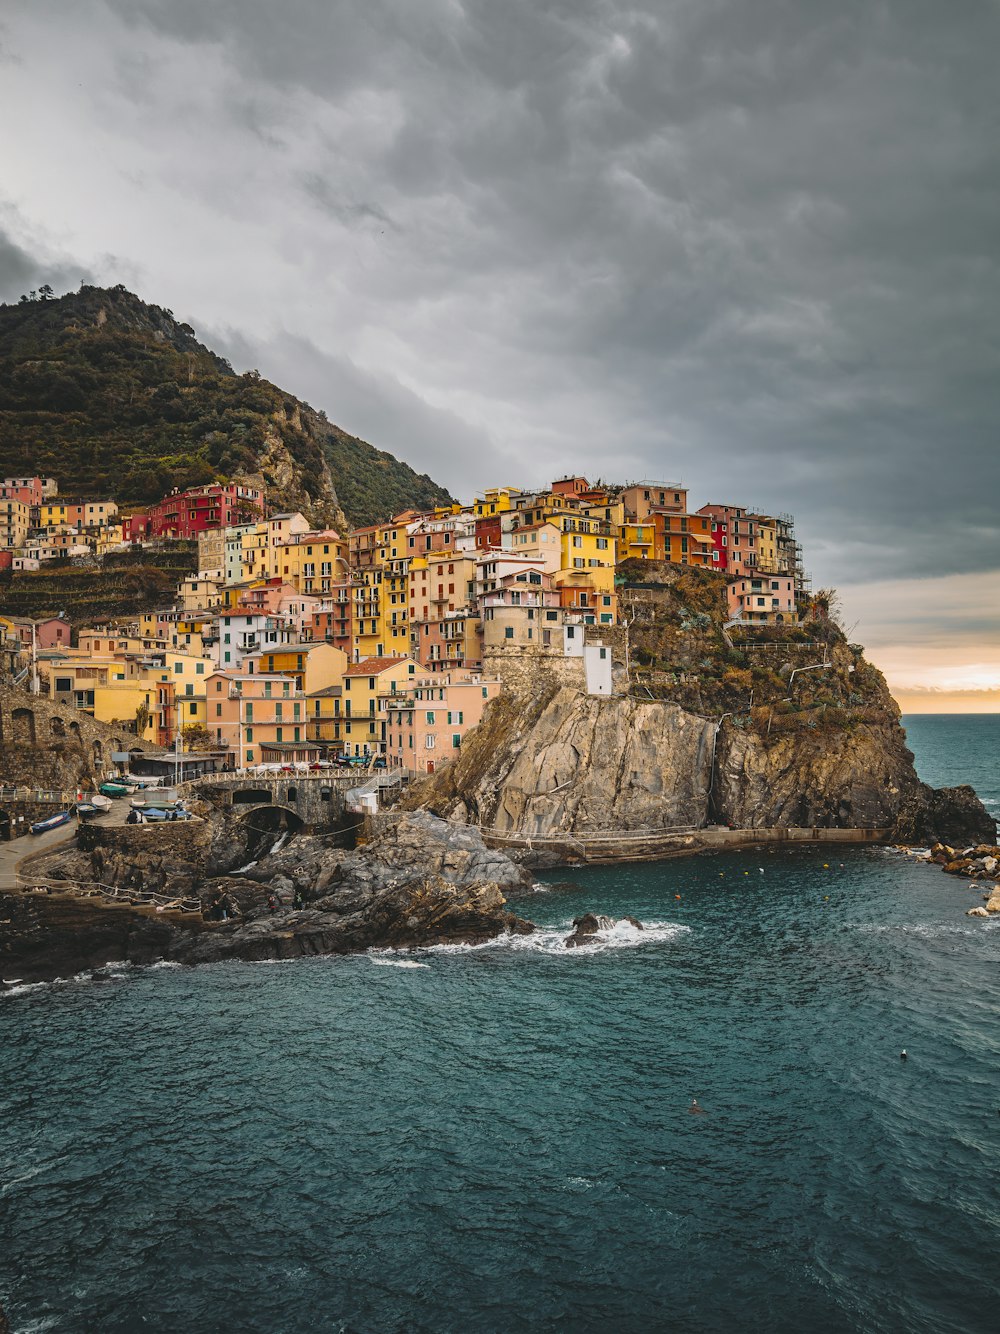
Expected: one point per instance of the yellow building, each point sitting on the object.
(254, 554)
(324, 718)
(363, 725)
(14, 523)
(100, 513)
(121, 702)
(109, 538)
(311, 564)
(637, 540)
(197, 593)
(313, 665)
(496, 500)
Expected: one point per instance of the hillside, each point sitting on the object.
(115, 398)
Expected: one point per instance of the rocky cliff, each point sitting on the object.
(765, 727)
(419, 881)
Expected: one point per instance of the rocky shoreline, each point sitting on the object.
(978, 864)
(213, 890)
(418, 881)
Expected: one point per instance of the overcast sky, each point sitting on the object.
(751, 245)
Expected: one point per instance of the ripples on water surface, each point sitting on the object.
(498, 1139)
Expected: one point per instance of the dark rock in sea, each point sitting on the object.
(949, 815)
(591, 924)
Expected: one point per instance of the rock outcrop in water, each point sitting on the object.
(591, 924)
(419, 881)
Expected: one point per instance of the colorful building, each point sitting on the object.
(426, 723)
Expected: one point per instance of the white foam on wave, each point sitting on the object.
(552, 940)
(396, 963)
(23, 988)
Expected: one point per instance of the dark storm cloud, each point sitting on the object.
(21, 272)
(753, 246)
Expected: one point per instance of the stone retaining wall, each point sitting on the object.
(651, 846)
(44, 744)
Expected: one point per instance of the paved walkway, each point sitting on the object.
(13, 853)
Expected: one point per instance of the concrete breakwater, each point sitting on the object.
(653, 845)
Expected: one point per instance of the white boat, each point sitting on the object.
(102, 803)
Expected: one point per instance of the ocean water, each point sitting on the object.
(498, 1139)
(962, 748)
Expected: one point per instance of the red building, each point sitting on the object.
(188, 513)
(488, 532)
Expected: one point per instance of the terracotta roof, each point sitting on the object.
(372, 666)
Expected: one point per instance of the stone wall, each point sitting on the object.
(43, 744)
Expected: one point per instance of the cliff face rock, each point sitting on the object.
(579, 763)
(583, 764)
(830, 779)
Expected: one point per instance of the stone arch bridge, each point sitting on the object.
(316, 803)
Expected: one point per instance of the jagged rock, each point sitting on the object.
(977, 912)
(963, 866)
(950, 815)
(591, 924)
(419, 881)
(993, 903)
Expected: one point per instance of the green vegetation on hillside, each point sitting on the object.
(680, 651)
(115, 398)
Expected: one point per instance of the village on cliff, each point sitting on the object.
(291, 646)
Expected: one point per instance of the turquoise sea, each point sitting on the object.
(498, 1139)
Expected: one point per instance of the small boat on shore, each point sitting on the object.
(53, 822)
(115, 790)
(92, 805)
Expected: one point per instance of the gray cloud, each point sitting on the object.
(750, 246)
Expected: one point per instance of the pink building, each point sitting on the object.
(30, 490)
(425, 726)
(260, 718)
(762, 597)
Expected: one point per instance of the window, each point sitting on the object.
(249, 733)
(218, 710)
(430, 742)
(193, 708)
(508, 632)
(456, 740)
(430, 716)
